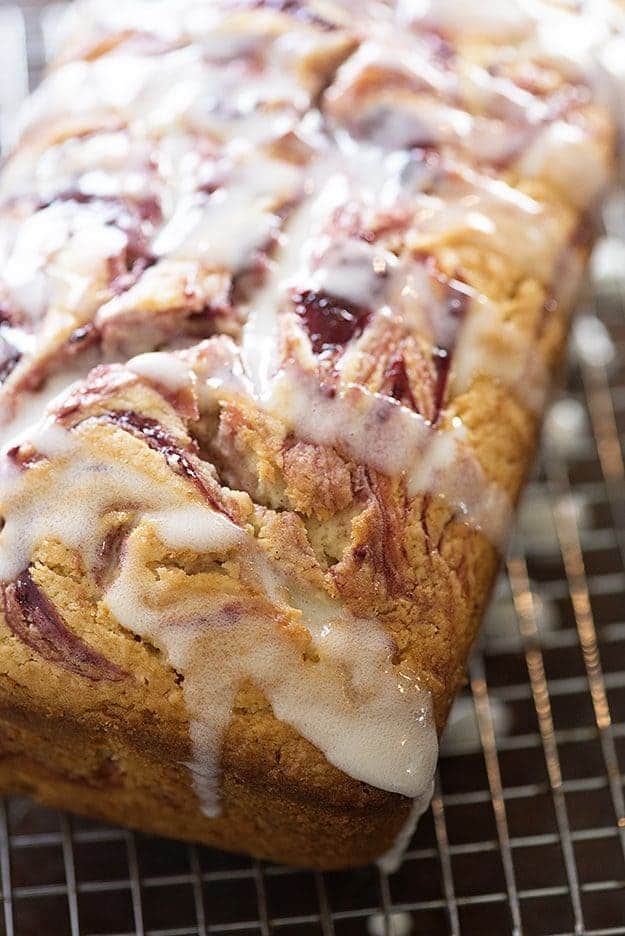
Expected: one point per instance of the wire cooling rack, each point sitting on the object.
(527, 828)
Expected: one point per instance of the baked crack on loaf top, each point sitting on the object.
(282, 288)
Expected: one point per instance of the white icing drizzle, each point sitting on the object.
(223, 230)
(353, 271)
(184, 136)
(56, 257)
(21, 412)
(165, 370)
(382, 433)
(342, 692)
(391, 860)
(259, 347)
(370, 721)
(505, 21)
(70, 481)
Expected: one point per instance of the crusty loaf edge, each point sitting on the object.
(281, 799)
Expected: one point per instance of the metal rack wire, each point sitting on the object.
(527, 828)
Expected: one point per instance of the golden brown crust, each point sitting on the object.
(334, 523)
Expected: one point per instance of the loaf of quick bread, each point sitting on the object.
(282, 289)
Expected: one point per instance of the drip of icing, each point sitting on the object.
(378, 431)
(325, 672)
(353, 271)
(259, 347)
(23, 411)
(222, 230)
(370, 721)
(166, 370)
(391, 860)
(508, 20)
(56, 255)
(188, 528)
(221, 81)
(67, 504)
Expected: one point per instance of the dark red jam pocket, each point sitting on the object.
(34, 620)
(330, 322)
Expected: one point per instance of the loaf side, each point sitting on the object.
(283, 291)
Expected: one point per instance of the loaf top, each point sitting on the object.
(321, 255)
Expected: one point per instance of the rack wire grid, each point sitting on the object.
(526, 833)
